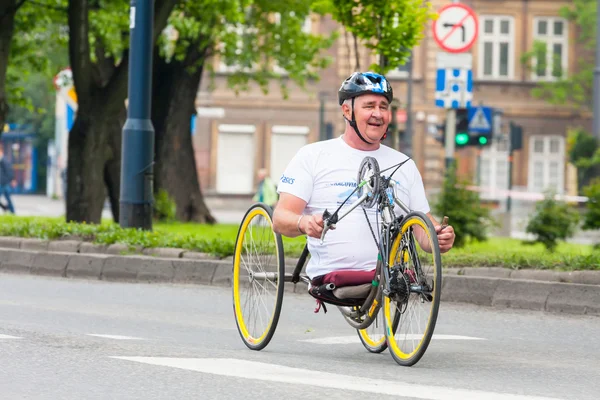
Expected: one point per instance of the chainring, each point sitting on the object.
(369, 170)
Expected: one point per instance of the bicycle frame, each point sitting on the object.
(372, 304)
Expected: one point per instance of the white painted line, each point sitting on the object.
(279, 373)
(355, 339)
(117, 337)
(8, 337)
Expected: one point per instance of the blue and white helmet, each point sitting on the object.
(360, 83)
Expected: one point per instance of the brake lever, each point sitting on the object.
(329, 221)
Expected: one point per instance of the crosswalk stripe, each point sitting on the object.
(8, 337)
(116, 337)
(279, 373)
(354, 339)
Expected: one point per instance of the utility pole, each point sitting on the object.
(322, 97)
(408, 130)
(596, 111)
(137, 157)
(450, 136)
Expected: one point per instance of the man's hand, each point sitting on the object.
(445, 235)
(312, 225)
(14, 183)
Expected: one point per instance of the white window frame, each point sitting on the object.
(546, 157)
(496, 152)
(550, 39)
(496, 38)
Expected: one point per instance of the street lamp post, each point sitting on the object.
(596, 111)
(137, 156)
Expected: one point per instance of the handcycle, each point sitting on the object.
(407, 276)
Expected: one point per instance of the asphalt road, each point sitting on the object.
(74, 339)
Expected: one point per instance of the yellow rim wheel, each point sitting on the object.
(373, 337)
(410, 312)
(258, 277)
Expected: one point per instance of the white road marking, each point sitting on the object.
(117, 337)
(355, 339)
(8, 337)
(279, 373)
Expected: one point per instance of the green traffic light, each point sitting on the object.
(462, 138)
(483, 140)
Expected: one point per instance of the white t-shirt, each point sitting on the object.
(324, 174)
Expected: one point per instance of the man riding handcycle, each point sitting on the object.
(371, 238)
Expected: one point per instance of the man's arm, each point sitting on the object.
(445, 236)
(288, 218)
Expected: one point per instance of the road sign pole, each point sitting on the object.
(450, 136)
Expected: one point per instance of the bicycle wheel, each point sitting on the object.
(415, 284)
(373, 337)
(258, 277)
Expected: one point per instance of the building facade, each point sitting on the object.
(235, 135)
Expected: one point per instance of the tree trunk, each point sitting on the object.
(8, 9)
(88, 153)
(95, 139)
(175, 89)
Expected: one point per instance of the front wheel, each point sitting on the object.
(410, 310)
(258, 277)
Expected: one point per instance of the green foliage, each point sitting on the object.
(390, 28)
(584, 153)
(219, 240)
(250, 37)
(592, 215)
(576, 87)
(469, 218)
(552, 221)
(38, 48)
(164, 206)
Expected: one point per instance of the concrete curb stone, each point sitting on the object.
(576, 292)
(50, 264)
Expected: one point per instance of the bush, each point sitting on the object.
(467, 216)
(164, 206)
(552, 221)
(592, 215)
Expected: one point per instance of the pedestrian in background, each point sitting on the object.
(267, 190)
(7, 179)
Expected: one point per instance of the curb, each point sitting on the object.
(576, 292)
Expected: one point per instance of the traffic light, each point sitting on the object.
(462, 137)
(516, 136)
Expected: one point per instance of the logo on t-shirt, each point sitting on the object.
(287, 179)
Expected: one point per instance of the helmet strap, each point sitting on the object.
(353, 125)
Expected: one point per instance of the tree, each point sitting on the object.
(469, 218)
(253, 36)
(98, 37)
(576, 88)
(389, 28)
(584, 152)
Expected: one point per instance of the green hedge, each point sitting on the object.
(219, 240)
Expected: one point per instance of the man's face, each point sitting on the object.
(372, 113)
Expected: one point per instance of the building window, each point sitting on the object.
(550, 56)
(496, 47)
(493, 169)
(547, 164)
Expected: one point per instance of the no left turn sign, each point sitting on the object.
(456, 28)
